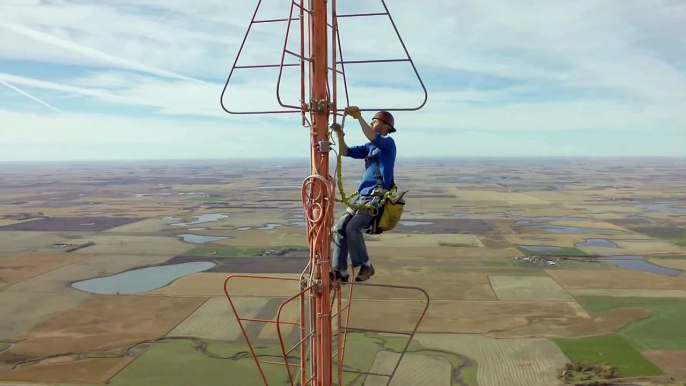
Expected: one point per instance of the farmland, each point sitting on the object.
(528, 265)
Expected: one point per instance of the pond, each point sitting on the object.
(269, 226)
(141, 280)
(637, 263)
(199, 239)
(597, 243)
(203, 218)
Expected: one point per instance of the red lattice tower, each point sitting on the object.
(318, 294)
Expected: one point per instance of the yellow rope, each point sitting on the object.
(339, 176)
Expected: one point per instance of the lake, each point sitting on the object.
(199, 239)
(637, 263)
(138, 281)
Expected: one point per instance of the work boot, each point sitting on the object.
(336, 275)
(365, 273)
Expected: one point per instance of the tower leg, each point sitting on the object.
(322, 201)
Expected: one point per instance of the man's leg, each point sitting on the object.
(339, 257)
(357, 246)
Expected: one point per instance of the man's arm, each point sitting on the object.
(357, 152)
(366, 129)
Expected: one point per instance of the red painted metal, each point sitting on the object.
(318, 296)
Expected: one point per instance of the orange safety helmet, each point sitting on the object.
(386, 117)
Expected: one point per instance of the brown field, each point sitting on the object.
(249, 264)
(647, 247)
(264, 238)
(673, 362)
(442, 286)
(19, 312)
(461, 256)
(422, 240)
(671, 263)
(589, 224)
(509, 198)
(146, 226)
(20, 267)
(134, 245)
(215, 320)
(62, 224)
(438, 255)
(504, 362)
(443, 226)
(212, 284)
(514, 318)
(11, 242)
(103, 323)
(96, 370)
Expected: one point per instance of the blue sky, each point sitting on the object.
(141, 79)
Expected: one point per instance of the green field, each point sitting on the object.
(559, 252)
(187, 362)
(178, 362)
(665, 329)
(611, 349)
(668, 257)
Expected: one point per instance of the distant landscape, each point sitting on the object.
(565, 271)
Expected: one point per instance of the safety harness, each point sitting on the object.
(387, 211)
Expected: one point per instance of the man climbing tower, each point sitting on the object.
(379, 156)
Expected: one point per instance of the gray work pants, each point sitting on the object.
(347, 236)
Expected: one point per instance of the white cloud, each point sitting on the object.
(544, 67)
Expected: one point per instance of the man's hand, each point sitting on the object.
(338, 130)
(354, 112)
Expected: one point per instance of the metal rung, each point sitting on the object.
(299, 343)
(268, 65)
(376, 331)
(274, 20)
(374, 61)
(280, 363)
(268, 321)
(362, 372)
(297, 55)
(363, 14)
(342, 308)
(301, 7)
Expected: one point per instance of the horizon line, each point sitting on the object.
(334, 158)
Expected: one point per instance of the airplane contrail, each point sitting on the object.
(126, 63)
(35, 98)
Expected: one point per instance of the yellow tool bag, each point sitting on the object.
(389, 213)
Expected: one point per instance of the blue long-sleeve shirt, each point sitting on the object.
(381, 149)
